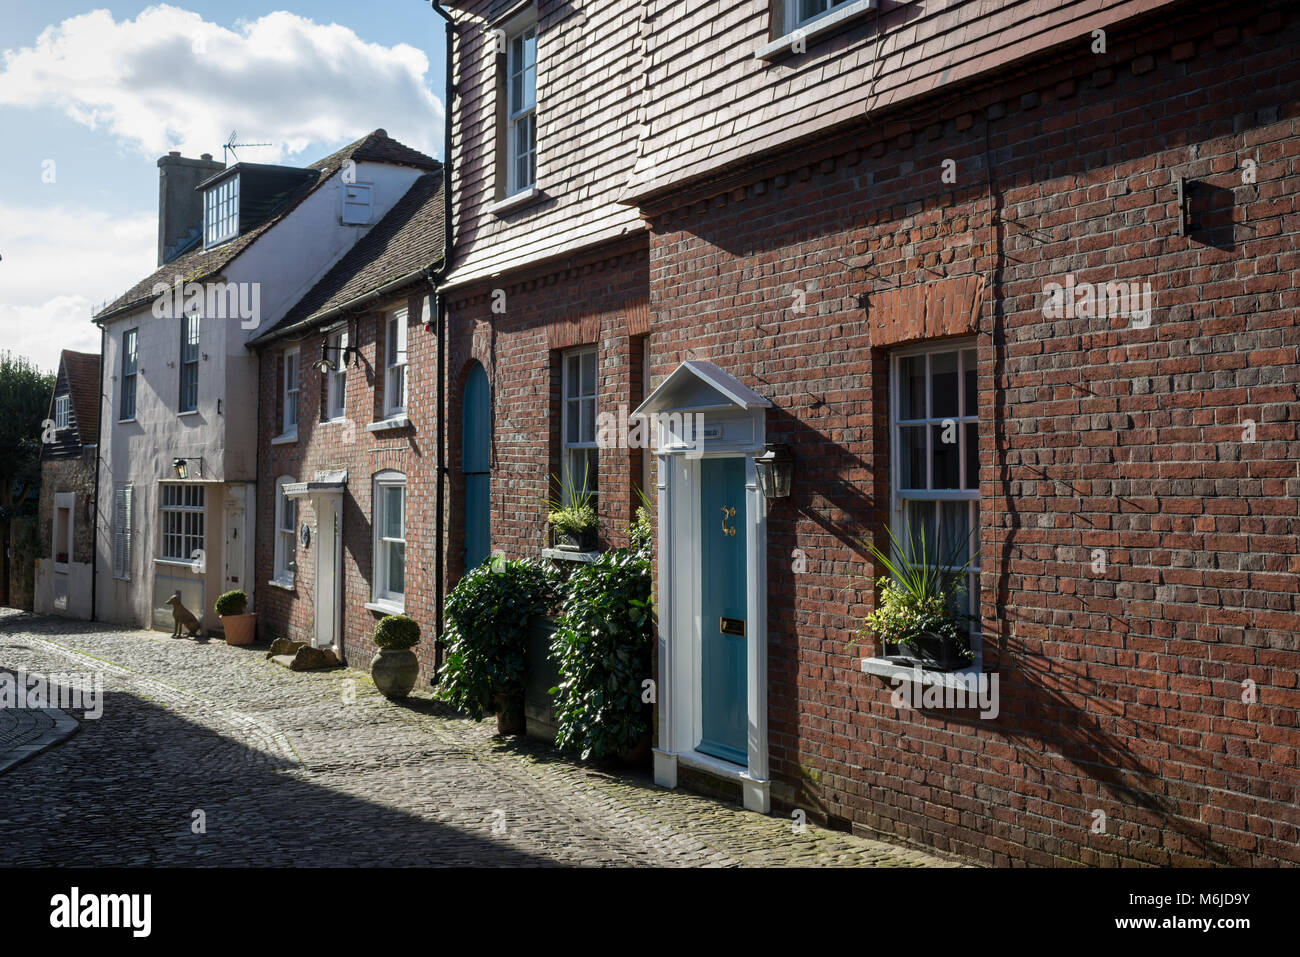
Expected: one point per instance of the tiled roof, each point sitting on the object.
(406, 240)
(82, 369)
(198, 264)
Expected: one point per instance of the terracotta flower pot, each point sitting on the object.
(394, 671)
(239, 629)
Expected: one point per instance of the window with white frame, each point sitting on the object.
(390, 538)
(578, 419)
(800, 13)
(62, 411)
(182, 514)
(286, 522)
(934, 430)
(122, 504)
(336, 380)
(189, 363)
(221, 211)
(130, 365)
(289, 393)
(395, 365)
(521, 109)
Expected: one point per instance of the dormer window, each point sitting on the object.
(221, 212)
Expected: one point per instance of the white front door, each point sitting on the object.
(328, 567)
(232, 576)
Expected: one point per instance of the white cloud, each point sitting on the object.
(169, 80)
(53, 257)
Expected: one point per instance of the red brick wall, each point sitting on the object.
(588, 301)
(1120, 692)
(329, 446)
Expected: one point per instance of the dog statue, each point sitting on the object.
(182, 616)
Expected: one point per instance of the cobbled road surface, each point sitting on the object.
(208, 754)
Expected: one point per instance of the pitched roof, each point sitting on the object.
(199, 264)
(408, 239)
(82, 370)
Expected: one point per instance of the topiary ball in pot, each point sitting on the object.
(395, 668)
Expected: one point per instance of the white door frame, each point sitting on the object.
(734, 421)
(328, 560)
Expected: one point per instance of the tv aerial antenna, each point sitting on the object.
(230, 145)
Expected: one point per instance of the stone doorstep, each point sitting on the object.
(305, 658)
(64, 726)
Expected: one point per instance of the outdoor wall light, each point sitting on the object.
(775, 470)
(326, 364)
(182, 470)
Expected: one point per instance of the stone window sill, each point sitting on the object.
(817, 30)
(386, 607)
(285, 439)
(886, 668)
(387, 425)
(286, 584)
(564, 555)
(514, 201)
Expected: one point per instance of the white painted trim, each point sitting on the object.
(680, 627)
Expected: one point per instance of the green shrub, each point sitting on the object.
(396, 632)
(602, 645)
(487, 616)
(231, 603)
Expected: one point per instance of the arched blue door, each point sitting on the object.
(475, 434)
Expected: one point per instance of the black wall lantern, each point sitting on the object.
(182, 470)
(775, 470)
(326, 364)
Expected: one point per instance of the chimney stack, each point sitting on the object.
(180, 208)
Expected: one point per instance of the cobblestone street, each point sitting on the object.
(286, 772)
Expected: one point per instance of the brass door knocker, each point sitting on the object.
(726, 514)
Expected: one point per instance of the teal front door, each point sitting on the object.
(476, 431)
(723, 605)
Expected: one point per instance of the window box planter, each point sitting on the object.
(581, 542)
(932, 651)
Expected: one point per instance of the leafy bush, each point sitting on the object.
(397, 632)
(641, 532)
(487, 617)
(602, 645)
(231, 603)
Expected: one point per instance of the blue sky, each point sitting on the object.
(92, 103)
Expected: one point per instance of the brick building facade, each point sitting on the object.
(894, 216)
(359, 456)
(1136, 474)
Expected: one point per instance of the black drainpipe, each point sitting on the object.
(440, 304)
(94, 509)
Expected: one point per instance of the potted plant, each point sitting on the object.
(570, 511)
(916, 617)
(239, 628)
(395, 667)
(488, 615)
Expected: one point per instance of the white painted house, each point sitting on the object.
(237, 247)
